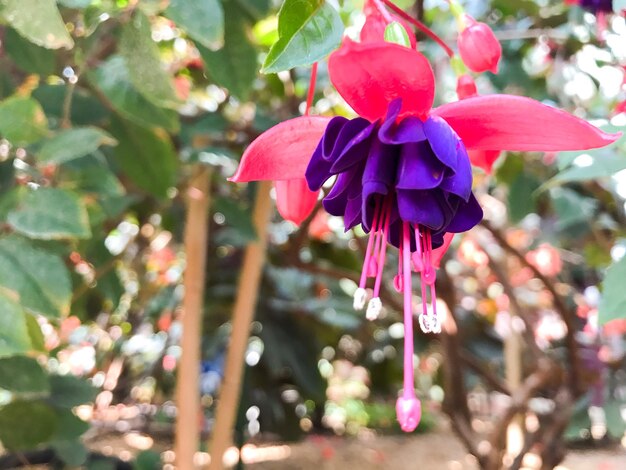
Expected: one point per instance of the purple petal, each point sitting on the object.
(381, 164)
(443, 140)
(331, 136)
(421, 207)
(410, 129)
(352, 215)
(355, 150)
(418, 168)
(318, 170)
(467, 216)
(460, 183)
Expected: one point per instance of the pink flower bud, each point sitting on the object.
(478, 46)
(466, 87)
(294, 199)
(409, 412)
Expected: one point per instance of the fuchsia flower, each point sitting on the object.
(478, 46)
(402, 168)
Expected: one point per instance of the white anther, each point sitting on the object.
(374, 308)
(359, 298)
(430, 324)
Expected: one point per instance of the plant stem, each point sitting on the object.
(187, 396)
(243, 315)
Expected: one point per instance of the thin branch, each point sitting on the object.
(568, 316)
(485, 373)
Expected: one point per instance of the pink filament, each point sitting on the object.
(383, 248)
(370, 243)
(409, 390)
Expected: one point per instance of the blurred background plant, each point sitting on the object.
(109, 110)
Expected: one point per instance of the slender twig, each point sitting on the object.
(196, 240)
(243, 314)
(487, 375)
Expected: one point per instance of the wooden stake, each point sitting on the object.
(243, 315)
(187, 384)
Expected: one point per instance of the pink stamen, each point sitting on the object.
(383, 249)
(408, 311)
(370, 244)
(408, 407)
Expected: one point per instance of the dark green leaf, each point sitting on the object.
(22, 120)
(35, 334)
(39, 21)
(112, 78)
(73, 143)
(202, 20)
(148, 460)
(613, 302)
(28, 56)
(70, 426)
(144, 63)
(14, 337)
(40, 279)
(599, 167)
(68, 391)
(308, 31)
(21, 374)
(85, 110)
(147, 157)
(26, 424)
(234, 66)
(521, 199)
(51, 214)
(73, 453)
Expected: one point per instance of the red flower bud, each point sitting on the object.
(478, 46)
(465, 87)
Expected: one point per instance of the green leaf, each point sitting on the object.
(147, 157)
(85, 110)
(70, 426)
(68, 391)
(521, 199)
(113, 80)
(73, 453)
(308, 31)
(26, 424)
(39, 21)
(148, 460)
(144, 63)
(35, 334)
(28, 56)
(613, 302)
(22, 120)
(14, 337)
(73, 143)
(39, 278)
(599, 167)
(202, 20)
(234, 66)
(21, 374)
(75, 3)
(51, 214)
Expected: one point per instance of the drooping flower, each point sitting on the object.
(478, 46)
(402, 169)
